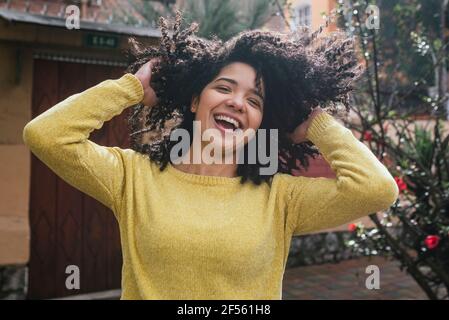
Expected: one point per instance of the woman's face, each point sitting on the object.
(231, 101)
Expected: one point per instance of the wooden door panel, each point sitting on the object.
(67, 226)
(43, 185)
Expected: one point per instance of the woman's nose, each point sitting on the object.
(237, 103)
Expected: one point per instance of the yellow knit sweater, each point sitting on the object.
(187, 236)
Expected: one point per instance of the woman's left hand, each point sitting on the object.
(300, 133)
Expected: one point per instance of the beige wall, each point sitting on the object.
(15, 112)
(14, 187)
(15, 98)
(318, 6)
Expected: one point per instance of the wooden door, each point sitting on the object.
(67, 226)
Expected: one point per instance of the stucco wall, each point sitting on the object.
(15, 112)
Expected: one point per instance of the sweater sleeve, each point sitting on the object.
(59, 138)
(362, 186)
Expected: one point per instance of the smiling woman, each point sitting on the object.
(216, 231)
(228, 102)
(260, 79)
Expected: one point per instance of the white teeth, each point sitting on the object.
(228, 119)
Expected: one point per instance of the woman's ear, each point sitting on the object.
(194, 104)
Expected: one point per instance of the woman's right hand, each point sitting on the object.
(300, 133)
(144, 75)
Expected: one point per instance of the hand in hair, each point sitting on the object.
(144, 75)
(300, 133)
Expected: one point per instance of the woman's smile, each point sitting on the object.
(226, 123)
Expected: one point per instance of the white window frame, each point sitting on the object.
(303, 15)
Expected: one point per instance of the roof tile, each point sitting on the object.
(118, 9)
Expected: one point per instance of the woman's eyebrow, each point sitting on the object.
(256, 92)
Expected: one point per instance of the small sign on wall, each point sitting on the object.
(92, 40)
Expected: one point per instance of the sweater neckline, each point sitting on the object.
(202, 179)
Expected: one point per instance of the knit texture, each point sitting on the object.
(188, 236)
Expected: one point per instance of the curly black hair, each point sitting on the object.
(300, 70)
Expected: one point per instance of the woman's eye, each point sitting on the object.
(223, 89)
(254, 102)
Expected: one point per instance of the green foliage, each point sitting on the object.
(402, 58)
(223, 19)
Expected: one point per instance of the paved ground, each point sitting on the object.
(346, 280)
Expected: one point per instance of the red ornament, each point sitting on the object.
(368, 136)
(352, 227)
(432, 241)
(401, 184)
